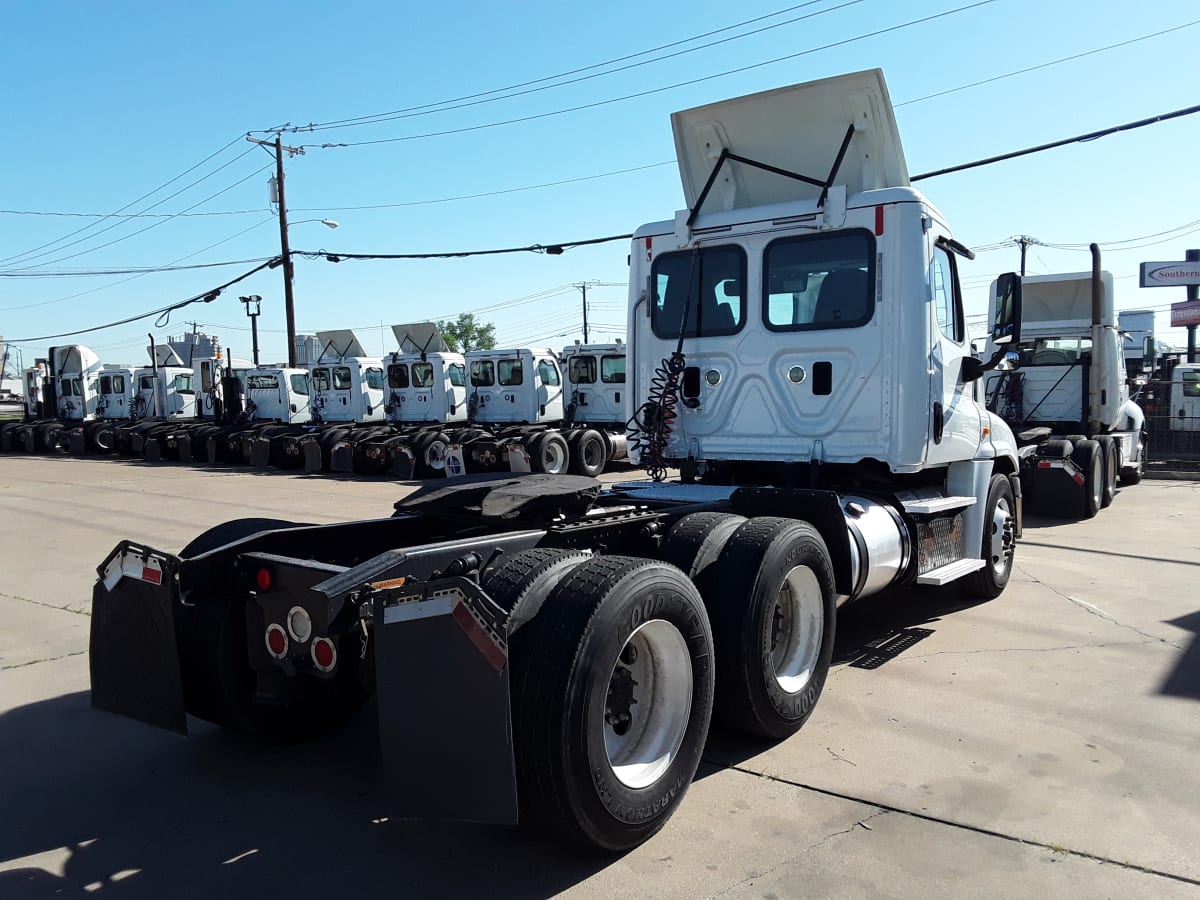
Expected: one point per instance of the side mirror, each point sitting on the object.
(1006, 327)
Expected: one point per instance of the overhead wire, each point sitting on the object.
(658, 90)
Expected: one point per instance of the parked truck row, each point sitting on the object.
(415, 413)
(542, 648)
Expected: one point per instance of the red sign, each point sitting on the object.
(1187, 313)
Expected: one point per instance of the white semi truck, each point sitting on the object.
(544, 648)
(1067, 396)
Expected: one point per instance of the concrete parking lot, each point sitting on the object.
(1042, 745)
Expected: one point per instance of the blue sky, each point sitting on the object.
(107, 102)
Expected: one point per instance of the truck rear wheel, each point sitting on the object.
(548, 453)
(1108, 454)
(1088, 458)
(588, 454)
(522, 582)
(612, 686)
(772, 602)
(430, 451)
(999, 542)
(695, 541)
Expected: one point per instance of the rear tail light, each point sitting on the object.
(277, 642)
(324, 654)
(262, 578)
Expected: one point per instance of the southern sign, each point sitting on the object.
(1170, 274)
(1187, 313)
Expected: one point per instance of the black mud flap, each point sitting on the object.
(341, 458)
(260, 453)
(404, 464)
(133, 655)
(77, 442)
(152, 449)
(314, 460)
(441, 669)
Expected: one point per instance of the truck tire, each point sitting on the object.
(219, 684)
(521, 583)
(228, 532)
(592, 763)
(1109, 455)
(772, 602)
(695, 541)
(999, 542)
(588, 454)
(430, 451)
(548, 453)
(1087, 457)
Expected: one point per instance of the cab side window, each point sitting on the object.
(947, 305)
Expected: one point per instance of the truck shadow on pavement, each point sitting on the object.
(94, 802)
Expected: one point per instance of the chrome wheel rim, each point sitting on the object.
(554, 460)
(1004, 537)
(798, 622)
(648, 704)
(435, 455)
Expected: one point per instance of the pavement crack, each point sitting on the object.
(883, 808)
(861, 823)
(66, 609)
(1095, 610)
(841, 758)
(1153, 640)
(34, 662)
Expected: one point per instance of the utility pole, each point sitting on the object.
(1193, 293)
(289, 306)
(583, 286)
(1024, 240)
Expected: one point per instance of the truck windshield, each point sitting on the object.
(182, 384)
(708, 284)
(482, 373)
(422, 375)
(819, 281)
(612, 369)
(398, 375)
(1191, 383)
(582, 370)
(509, 372)
(320, 379)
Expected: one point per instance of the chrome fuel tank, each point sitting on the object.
(880, 545)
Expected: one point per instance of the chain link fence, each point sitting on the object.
(1172, 411)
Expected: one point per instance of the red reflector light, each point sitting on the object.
(878, 221)
(263, 579)
(1044, 465)
(154, 576)
(277, 642)
(324, 654)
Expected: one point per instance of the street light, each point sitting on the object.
(256, 301)
(289, 306)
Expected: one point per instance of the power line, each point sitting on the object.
(1078, 139)
(658, 90)
(80, 215)
(551, 249)
(154, 224)
(443, 105)
(140, 270)
(163, 311)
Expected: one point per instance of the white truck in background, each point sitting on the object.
(1139, 344)
(1067, 397)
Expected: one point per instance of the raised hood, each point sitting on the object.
(798, 128)
(419, 337)
(1052, 305)
(165, 355)
(75, 359)
(339, 344)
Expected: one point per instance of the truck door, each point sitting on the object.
(373, 400)
(550, 393)
(954, 417)
(183, 404)
(455, 380)
(1185, 399)
(421, 403)
(298, 396)
(612, 381)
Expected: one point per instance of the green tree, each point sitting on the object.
(464, 333)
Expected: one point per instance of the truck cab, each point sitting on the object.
(805, 322)
(76, 369)
(34, 378)
(1185, 398)
(166, 393)
(517, 386)
(277, 394)
(347, 385)
(426, 387)
(116, 389)
(595, 383)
